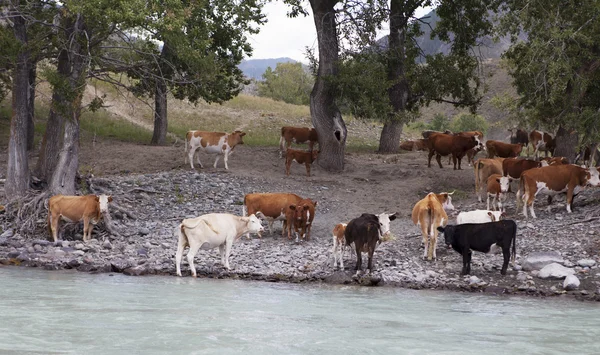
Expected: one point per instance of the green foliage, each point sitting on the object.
(439, 122)
(289, 82)
(469, 122)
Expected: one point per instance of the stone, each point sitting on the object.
(537, 260)
(79, 246)
(586, 262)
(571, 283)
(144, 231)
(37, 247)
(136, 270)
(338, 278)
(78, 252)
(119, 265)
(74, 263)
(555, 271)
(7, 233)
(522, 276)
(65, 243)
(41, 242)
(474, 280)
(107, 245)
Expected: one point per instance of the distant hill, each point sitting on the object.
(254, 68)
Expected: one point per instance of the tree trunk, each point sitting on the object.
(566, 144)
(389, 141)
(30, 107)
(17, 172)
(326, 116)
(159, 136)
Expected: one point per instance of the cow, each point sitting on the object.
(300, 216)
(484, 168)
(301, 157)
(416, 145)
(498, 187)
(479, 216)
(541, 141)
(297, 135)
(339, 244)
(519, 136)
(502, 150)
(514, 168)
(471, 153)
(552, 180)
(443, 144)
(210, 231)
(481, 237)
(219, 143)
(366, 232)
(270, 206)
(555, 160)
(430, 213)
(88, 208)
(428, 133)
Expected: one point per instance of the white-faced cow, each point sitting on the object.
(270, 206)
(210, 231)
(552, 180)
(498, 187)
(88, 208)
(464, 238)
(299, 218)
(297, 135)
(429, 213)
(479, 216)
(366, 232)
(218, 143)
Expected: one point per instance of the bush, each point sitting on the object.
(439, 123)
(469, 122)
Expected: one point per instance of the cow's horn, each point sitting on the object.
(451, 193)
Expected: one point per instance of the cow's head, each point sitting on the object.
(302, 209)
(448, 232)
(478, 144)
(504, 183)
(594, 176)
(445, 199)
(103, 201)
(496, 216)
(384, 222)
(253, 224)
(235, 138)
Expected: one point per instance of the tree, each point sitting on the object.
(289, 82)
(555, 71)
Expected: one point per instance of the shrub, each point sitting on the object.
(469, 122)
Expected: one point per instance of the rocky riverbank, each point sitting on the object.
(153, 204)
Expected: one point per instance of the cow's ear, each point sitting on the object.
(393, 216)
(440, 229)
(97, 198)
(314, 203)
(497, 180)
(110, 199)
(242, 134)
(292, 207)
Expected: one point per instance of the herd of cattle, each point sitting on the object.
(479, 230)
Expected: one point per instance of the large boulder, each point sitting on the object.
(571, 283)
(537, 260)
(555, 271)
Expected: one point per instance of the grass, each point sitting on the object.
(100, 124)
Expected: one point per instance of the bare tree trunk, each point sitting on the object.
(159, 136)
(566, 144)
(389, 141)
(326, 116)
(17, 172)
(31, 107)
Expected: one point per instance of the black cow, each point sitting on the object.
(480, 237)
(365, 232)
(519, 136)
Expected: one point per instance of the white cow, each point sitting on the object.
(479, 216)
(210, 231)
(339, 244)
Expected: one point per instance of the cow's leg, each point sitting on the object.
(494, 202)
(454, 161)
(181, 243)
(217, 160)
(569, 199)
(466, 270)
(228, 244)
(225, 159)
(197, 159)
(358, 247)
(281, 141)
(288, 164)
(54, 226)
(371, 252)
(431, 153)
(86, 225)
(459, 161)
(222, 253)
(270, 224)
(307, 169)
(506, 255)
(194, 247)
(190, 156)
(449, 160)
(334, 250)
(531, 207)
(438, 158)
(488, 201)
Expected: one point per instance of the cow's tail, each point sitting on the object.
(182, 242)
(514, 246)
(521, 189)
(186, 148)
(478, 165)
(281, 144)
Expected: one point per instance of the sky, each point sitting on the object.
(282, 36)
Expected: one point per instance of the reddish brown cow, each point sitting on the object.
(301, 157)
(443, 144)
(555, 160)
(541, 141)
(297, 135)
(416, 145)
(471, 153)
(514, 168)
(502, 150)
(88, 208)
(270, 206)
(300, 216)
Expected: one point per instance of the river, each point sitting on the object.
(50, 312)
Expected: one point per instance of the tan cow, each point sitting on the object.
(301, 157)
(552, 180)
(270, 206)
(484, 168)
(429, 214)
(297, 135)
(339, 244)
(88, 208)
(299, 216)
(218, 143)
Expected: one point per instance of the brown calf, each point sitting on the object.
(88, 208)
(301, 157)
(416, 145)
(503, 150)
(297, 135)
(270, 206)
(484, 168)
(339, 244)
(300, 216)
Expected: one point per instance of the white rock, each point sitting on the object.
(571, 282)
(555, 271)
(537, 260)
(586, 262)
(473, 280)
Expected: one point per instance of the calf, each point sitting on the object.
(541, 141)
(366, 232)
(497, 186)
(339, 244)
(444, 144)
(481, 237)
(552, 180)
(518, 136)
(429, 213)
(479, 216)
(299, 216)
(503, 150)
(586, 154)
(218, 143)
(88, 208)
(270, 206)
(301, 157)
(428, 133)
(210, 231)
(484, 168)
(416, 145)
(297, 135)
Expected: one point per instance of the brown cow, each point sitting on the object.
(498, 187)
(443, 144)
(552, 180)
(471, 153)
(514, 168)
(484, 168)
(218, 143)
(429, 214)
(502, 150)
(301, 157)
(88, 208)
(541, 141)
(555, 160)
(300, 216)
(366, 232)
(270, 206)
(297, 135)
(426, 134)
(416, 145)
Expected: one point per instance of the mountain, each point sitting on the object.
(254, 68)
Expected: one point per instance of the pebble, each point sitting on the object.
(571, 283)
(586, 262)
